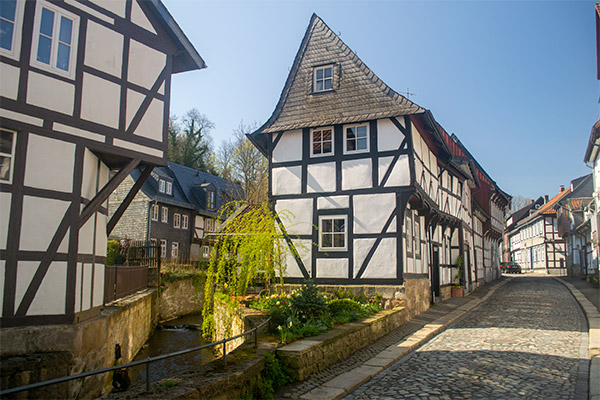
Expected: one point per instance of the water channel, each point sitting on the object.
(171, 336)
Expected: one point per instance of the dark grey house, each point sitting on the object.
(175, 207)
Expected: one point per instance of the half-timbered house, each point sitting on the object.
(374, 193)
(84, 89)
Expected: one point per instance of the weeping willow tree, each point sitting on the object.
(249, 244)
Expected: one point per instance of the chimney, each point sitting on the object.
(532, 201)
(546, 198)
(562, 187)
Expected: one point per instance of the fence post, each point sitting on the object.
(224, 352)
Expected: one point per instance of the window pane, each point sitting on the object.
(328, 72)
(326, 240)
(62, 59)
(338, 225)
(44, 50)
(361, 131)
(327, 147)
(47, 22)
(327, 135)
(362, 144)
(317, 148)
(338, 240)
(328, 84)
(350, 145)
(66, 27)
(319, 74)
(6, 34)
(350, 133)
(327, 225)
(7, 9)
(4, 168)
(6, 139)
(319, 86)
(317, 136)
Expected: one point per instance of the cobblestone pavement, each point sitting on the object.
(297, 389)
(527, 341)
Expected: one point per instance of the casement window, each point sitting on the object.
(322, 141)
(176, 220)
(185, 222)
(154, 212)
(409, 236)
(417, 235)
(163, 248)
(7, 154)
(175, 249)
(356, 138)
(169, 188)
(205, 251)
(210, 199)
(11, 23)
(162, 186)
(333, 233)
(323, 78)
(208, 225)
(165, 214)
(55, 39)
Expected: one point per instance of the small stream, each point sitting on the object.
(179, 334)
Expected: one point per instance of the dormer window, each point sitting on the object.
(210, 199)
(165, 186)
(161, 185)
(169, 188)
(323, 78)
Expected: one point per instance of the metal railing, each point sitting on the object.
(147, 362)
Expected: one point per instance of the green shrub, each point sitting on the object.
(112, 252)
(309, 303)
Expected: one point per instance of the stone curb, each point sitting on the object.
(593, 318)
(347, 382)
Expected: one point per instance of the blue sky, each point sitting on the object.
(514, 80)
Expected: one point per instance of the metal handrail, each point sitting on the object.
(147, 361)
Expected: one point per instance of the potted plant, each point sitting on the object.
(457, 289)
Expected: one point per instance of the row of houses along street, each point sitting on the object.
(373, 193)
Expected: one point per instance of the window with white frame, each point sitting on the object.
(323, 78)
(163, 248)
(154, 212)
(165, 214)
(208, 225)
(55, 39)
(185, 222)
(169, 187)
(175, 249)
(11, 22)
(7, 154)
(417, 235)
(176, 220)
(322, 141)
(409, 236)
(205, 251)
(356, 138)
(210, 199)
(161, 185)
(332, 235)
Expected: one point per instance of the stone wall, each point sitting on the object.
(307, 356)
(446, 292)
(231, 321)
(180, 297)
(418, 295)
(72, 349)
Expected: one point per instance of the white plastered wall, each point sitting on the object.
(104, 49)
(296, 215)
(286, 180)
(321, 177)
(371, 212)
(289, 147)
(49, 93)
(356, 174)
(389, 137)
(50, 298)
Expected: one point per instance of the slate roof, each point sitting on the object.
(189, 187)
(522, 213)
(358, 94)
(548, 208)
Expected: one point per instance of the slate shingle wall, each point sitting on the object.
(134, 222)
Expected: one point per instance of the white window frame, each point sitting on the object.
(169, 187)
(11, 155)
(409, 233)
(154, 212)
(165, 214)
(355, 127)
(163, 248)
(161, 185)
(312, 141)
(185, 222)
(59, 12)
(417, 235)
(205, 251)
(208, 225)
(321, 233)
(324, 79)
(176, 220)
(175, 249)
(15, 46)
(210, 199)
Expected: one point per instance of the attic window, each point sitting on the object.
(210, 199)
(323, 78)
(165, 186)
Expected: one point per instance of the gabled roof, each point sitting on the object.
(522, 213)
(187, 58)
(358, 94)
(189, 188)
(548, 208)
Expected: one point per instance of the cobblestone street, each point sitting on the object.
(528, 341)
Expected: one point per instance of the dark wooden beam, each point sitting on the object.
(128, 199)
